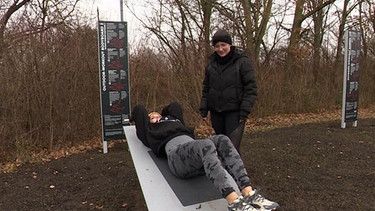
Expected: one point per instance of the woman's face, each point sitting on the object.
(222, 48)
(155, 117)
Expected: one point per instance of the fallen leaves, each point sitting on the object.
(287, 120)
(46, 155)
(252, 124)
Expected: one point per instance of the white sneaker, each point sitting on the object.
(240, 205)
(259, 202)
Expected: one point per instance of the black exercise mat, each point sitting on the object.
(189, 191)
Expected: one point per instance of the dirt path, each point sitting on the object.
(316, 166)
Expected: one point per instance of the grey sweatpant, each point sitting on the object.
(212, 156)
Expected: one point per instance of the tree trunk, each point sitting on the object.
(340, 38)
(249, 26)
(295, 34)
(262, 29)
(317, 43)
(207, 6)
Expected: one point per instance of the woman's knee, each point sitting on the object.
(219, 139)
(206, 145)
(206, 142)
(223, 144)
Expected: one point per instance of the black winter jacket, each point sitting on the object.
(156, 135)
(229, 86)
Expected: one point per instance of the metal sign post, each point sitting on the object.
(350, 95)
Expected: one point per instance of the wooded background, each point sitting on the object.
(49, 74)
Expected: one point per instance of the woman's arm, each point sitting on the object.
(249, 88)
(175, 110)
(203, 108)
(141, 119)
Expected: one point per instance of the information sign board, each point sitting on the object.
(351, 78)
(114, 79)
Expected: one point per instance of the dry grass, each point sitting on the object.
(296, 119)
(258, 124)
(288, 120)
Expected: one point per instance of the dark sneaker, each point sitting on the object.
(240, 205)
(259, 202)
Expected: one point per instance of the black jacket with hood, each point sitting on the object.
(229, 84)
(157, 135)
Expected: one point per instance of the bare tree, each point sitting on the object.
(181, 34)
(367, 15)
(346, 10)
(207, 7)
(47, 60)
(4, 19)
(256, 15)
(319, 18)
(300, 15)
(261, 30)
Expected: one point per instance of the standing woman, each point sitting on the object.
(229, 88)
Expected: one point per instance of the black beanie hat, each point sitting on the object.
(221, 36)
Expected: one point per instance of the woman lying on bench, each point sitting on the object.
(168, 137)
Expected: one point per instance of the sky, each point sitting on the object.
(109, 10)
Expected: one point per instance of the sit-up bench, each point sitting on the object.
(162, 190)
